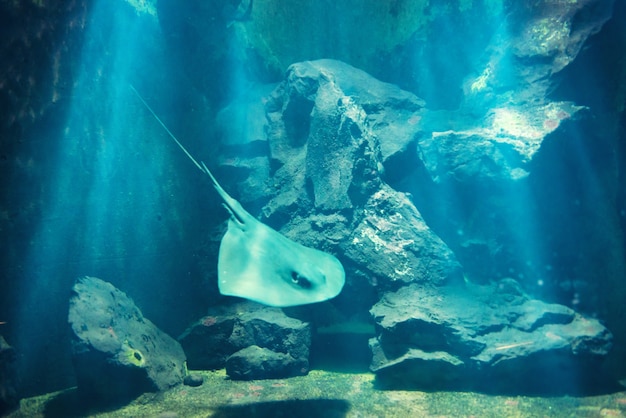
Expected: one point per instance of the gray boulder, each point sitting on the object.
(270, 328)
(254, 362)
(117, 353)
(470, 336)
(393, 244)
(206, 342)
(316, 165)
(225, 336)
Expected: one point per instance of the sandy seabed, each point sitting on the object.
(319, 394)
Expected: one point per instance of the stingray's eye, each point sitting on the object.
(301, 281)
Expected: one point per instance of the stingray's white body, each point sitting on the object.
(258, 263)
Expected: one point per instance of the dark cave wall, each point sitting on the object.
(591, 165)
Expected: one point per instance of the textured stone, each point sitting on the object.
(254, 362)
(271, 345)
(470, 330)
(211, 341)
(206, 341)
(271, 328)
(193, 380)
(117, 353)
(393, 243)
(331, 131)
(495, 149)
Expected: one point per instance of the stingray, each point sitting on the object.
(258, 263)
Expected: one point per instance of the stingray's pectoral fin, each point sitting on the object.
(259, 264)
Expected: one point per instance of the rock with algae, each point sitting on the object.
(117, 353)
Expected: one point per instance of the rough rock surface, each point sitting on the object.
(271, 328)
(8, 377)
(206, 342)
(117, 353)
(448, 336)
(225, 336)
(394, 245)
(254, 362)
(331, 132)
(327, 125)
(496, 148)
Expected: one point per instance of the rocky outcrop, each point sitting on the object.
(331, 132)
(393, 244)
(493, 150)
(326, 128)
(483, 337)
(117, 353)
(514, 182)
(537, 41)
(251, 341)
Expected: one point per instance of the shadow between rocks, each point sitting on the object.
(533, 384)
(73, 403)
(328, 408)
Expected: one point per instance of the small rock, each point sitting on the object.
(193, 380)
(254, 362)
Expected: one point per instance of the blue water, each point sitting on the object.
(92, 185)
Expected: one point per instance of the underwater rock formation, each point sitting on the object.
(324, 182)
(483, 337)
(251, 341)
(8, 377)
(331, 132)
(117, 353)
(558, 230)
(537, 42)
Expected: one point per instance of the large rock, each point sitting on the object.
(271, 345)
(317, 165)
(117, 353)
(479, 336)
(542, 39)
(271, 328)
(395, 246)
(206, 342)
(250, 340)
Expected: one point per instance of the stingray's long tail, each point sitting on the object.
(235, 209)
(200, 167)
